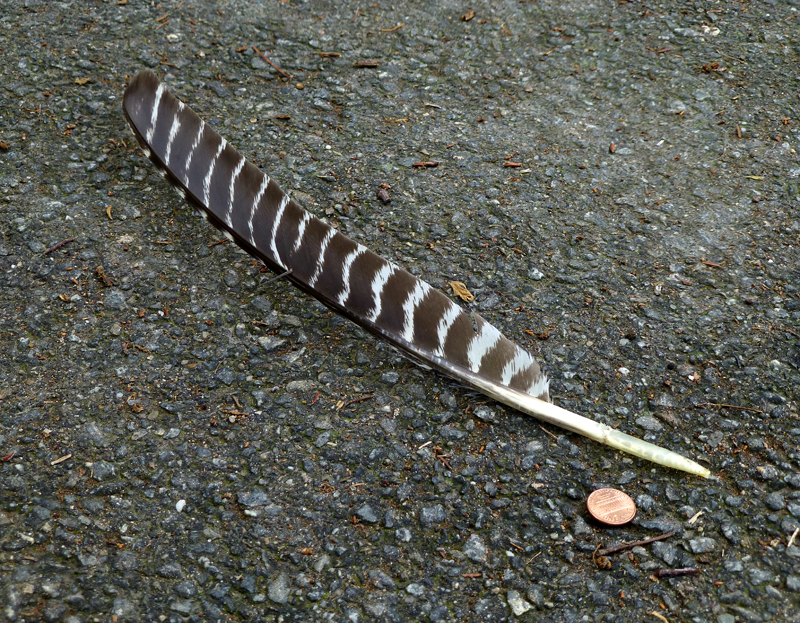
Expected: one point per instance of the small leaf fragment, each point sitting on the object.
(460, 290)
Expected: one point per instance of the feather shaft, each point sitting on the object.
(563, 418)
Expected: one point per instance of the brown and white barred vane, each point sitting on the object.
(252, 210)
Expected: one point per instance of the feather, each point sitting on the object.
(252, 210)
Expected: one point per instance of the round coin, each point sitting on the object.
(611, 507)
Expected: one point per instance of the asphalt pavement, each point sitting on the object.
(185, 437)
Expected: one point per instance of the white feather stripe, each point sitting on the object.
(173, 132)
(209, 175)
(443, 328)
(192, 149)
(484, 341)
(262, 189)
(540, 386)
(378, 283)
(301, 230)
(275, 224)
(584, 426)
(521, 361)
(154, 113)
(346, 266)
(321, 257)
(232, 190)
(419, 292)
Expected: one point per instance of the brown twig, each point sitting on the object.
(58, 245)
(712, 264)
(674, 573)
(445, 462)
(278, 69)
(355, 400)
(548, 432)
(661, 51)
(787, 330)
(393, 29)
(624, 546)
(721, 404)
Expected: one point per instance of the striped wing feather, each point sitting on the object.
(252, 210)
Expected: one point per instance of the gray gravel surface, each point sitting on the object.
(184, 437)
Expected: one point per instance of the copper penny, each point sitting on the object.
(611, 506)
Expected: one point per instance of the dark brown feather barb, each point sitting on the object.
(252, 210)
